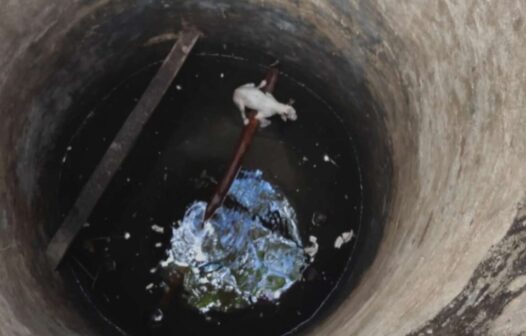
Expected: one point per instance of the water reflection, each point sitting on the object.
(250, 250)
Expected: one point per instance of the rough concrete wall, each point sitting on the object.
(449, 76)
(30, 303)
(462, 65)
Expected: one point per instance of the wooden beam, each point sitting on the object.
(120, 147)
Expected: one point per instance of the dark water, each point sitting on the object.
(177, 160)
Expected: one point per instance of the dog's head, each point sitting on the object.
(290, 113)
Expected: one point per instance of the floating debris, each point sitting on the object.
(327, 158)
(343, 238)
(312, 250)
(178, 87)
(158, 229)
(167, 262)
(127, 235)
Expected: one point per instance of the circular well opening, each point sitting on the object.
(178, 159)
(324, 164)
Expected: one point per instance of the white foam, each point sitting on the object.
(156, 228)
(312, 250)
(343, 238)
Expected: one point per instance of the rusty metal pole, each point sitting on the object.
(247, 135)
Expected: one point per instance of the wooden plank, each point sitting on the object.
(120, 147)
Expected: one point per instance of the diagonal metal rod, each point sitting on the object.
(243, 145)
(120, 147)
(245, 139)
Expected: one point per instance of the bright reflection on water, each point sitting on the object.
(249, 251)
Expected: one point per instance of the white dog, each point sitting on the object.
(250, 96)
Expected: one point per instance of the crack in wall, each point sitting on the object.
(496, 282)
